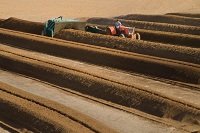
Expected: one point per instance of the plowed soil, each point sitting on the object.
(123, 94)
(142, 47)
(35, 117)
(22, 25)
(194, 30)
(77, 122)
(162, 19)
(106, 57)
(156, 79)
(170, 38)
(192, 15)
(147, 35)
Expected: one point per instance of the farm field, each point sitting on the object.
(86, 82)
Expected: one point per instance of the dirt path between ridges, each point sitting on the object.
(194, 30)
(119, 120)
(76, 121)
(107, 57)
(150, 101)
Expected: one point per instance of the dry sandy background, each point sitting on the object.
(41, 10)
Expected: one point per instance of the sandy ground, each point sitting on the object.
(41, 10)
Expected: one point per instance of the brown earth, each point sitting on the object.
(148, 35)
(194, 30)
(141, 47)
(98, 86)
(35, 117)
(162, 19)
(22, 25)
(158, 67)
(192, 15)
(170, 38)
(138, 98)
(83, 121)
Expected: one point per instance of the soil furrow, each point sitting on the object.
(142, 47)
(194, 30)
(148, 35)
(72, 101)
(90, 98)
(101, 88)
(162, 19)
(22, 25)
(170, 38)
(192, 15)
(177, 71)
(62, 63)
(67, 112)
(35, 117)
(166, 38)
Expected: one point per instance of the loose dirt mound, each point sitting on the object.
(22, 25)
(192, 15)
(142, 47)
(162, 19)
(194, 30)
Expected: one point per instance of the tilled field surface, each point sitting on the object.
(158, 76)
(162, 19)
(191, 15)
(185, 29)
(42, 115)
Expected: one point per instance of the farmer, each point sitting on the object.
(117, 26)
